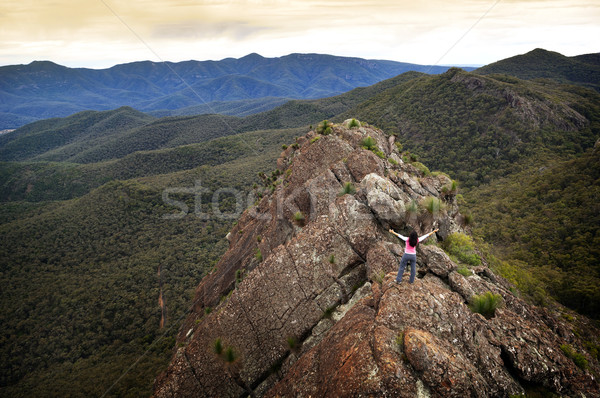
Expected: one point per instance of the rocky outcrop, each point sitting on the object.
(531, 109)
(318, 312)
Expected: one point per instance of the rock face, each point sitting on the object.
(304, 302)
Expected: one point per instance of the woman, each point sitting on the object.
(410, 253)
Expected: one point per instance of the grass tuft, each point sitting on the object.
(348, 188)
(369, 143)
(485, 304)
(258, 254)
(353, 123)
(218, 346)
(578, 358)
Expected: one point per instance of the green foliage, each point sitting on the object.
(369, 143)
(568, 317)
(258, 254)
(408, 157)
(392, 161)
(438, 173)
(422, 168)
(42, 181)
(103, 251)
(225, 297)
(464, 271)
(284, 147)
(353, 123)
(292, 343)
(379, 153)
(467, 218)
(477, 136)
(88, 321)
(547, 64)
(230, 356)
(225, 353)
(239, 276)
(432, 205)
(218, 346)
(522, 276)
(461, 247)
(450, 188)
(593, 349)
(299, 218)
(347, 189)
(328, 312)
(324, 127)
(400, 340)
(579, 359)
(332, 259)
(547, 218)
(485, 304)
(315, 139)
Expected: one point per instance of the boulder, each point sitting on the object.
(435, 259)
(362, 162)
(385, 199)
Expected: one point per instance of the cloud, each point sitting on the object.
(65, 30)
(193, 30)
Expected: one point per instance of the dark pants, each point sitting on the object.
(407, 258)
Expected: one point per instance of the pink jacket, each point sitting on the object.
(411, 249)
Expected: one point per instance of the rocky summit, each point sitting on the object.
(304, 302)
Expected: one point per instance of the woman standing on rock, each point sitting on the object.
(410, 253)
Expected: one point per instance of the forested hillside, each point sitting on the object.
(480, 128)
(85, 274)
(545, 219)
(86, 248)
(583, 70)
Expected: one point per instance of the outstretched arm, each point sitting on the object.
(404, 238)
(422, 238)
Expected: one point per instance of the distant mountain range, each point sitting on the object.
(44, 89)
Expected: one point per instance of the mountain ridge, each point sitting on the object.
(46, 89)
(17, 145)
(583, 69)
(307, 305)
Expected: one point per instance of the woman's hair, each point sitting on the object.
(413, 239)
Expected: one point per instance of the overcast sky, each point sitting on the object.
(102, 33)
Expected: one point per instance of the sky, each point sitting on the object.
(103, 33)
